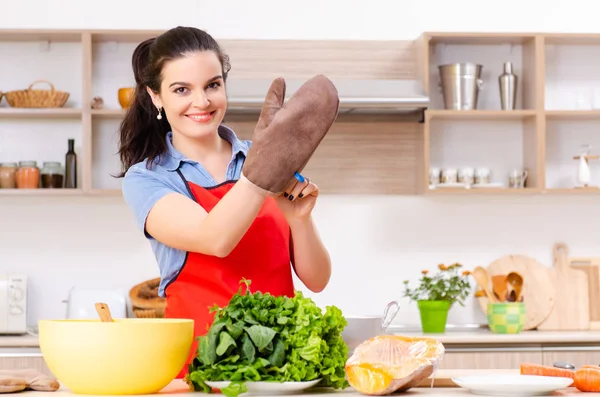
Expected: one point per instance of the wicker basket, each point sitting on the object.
(148, 313)
(145, 301)
(31, 98)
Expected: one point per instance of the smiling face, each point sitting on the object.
(192, 95)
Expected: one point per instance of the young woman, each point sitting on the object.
(208, 226)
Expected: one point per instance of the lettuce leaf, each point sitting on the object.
(261, 337)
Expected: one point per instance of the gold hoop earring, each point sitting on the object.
(159, 115)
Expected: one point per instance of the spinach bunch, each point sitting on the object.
(261, 337)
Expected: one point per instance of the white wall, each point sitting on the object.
(59, 241)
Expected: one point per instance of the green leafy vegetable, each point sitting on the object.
(261, 337)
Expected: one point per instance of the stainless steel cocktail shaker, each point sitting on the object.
(508, 87)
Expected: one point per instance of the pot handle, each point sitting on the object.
(387, 319)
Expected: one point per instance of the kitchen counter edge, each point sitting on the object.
(454, 337)
(179, 388)
(525, 337)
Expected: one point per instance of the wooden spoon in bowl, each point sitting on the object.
(516, 281)
(104, 312)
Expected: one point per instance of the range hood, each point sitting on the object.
(356, 96)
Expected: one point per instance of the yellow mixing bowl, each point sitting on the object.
(127, 356)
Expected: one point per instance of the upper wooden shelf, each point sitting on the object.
(571, 38)
(478, 114)
(22, 113)
(496, 38)
(24, 35)
(41, 192)
(478, 38)
(573, 114)
(377, 154)
(108, 113)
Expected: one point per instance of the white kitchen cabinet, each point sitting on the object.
(20, 358)
(576, 355)
(489, 357)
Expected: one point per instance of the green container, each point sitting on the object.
(434, 315)
(506, 318)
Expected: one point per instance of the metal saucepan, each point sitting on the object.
(361, 328)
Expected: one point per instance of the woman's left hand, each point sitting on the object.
(299, 199)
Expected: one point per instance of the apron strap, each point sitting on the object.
(187, 186)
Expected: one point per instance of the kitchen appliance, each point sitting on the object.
(508, 87)
(81, 301)
(460, 83)
(13, 304)
(399, 96)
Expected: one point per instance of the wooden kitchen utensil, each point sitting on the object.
(591, 266)
(103, 312)
(538, 291)
(572, 311)
(516, 282)
(483, 280)
(500, 287)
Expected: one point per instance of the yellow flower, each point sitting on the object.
(466, 273)
(442, 267)
(425, 271)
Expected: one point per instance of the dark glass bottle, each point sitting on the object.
(71, 166)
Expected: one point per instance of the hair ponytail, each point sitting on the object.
(142, 135)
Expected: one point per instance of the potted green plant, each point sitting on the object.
(435, 295)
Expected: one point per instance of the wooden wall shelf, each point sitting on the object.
(558, 107)
(362, 154)
(557, 110)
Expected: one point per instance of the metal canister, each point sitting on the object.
(460, 84)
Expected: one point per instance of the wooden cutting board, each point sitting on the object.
(539, 293)
(571, 311)
(591, 267)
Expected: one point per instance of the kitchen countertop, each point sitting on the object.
(452, 337)
(19, 341)
(179, 388)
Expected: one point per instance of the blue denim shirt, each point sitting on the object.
(143, 187)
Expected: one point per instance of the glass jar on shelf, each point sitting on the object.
(28, 175)
(8, 177)
(53, 175)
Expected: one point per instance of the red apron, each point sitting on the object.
(262, 256)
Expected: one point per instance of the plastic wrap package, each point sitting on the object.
(387, 364)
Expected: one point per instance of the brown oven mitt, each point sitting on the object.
(286, 136)
(15, 380)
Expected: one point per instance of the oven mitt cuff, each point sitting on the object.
(286, 136)
(254, 187)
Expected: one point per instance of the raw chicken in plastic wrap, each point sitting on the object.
(388, 364)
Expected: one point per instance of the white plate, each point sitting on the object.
(514, 385)
(269, 387)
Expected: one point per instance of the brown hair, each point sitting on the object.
(142, 135)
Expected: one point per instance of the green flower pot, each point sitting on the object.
(434, 315)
